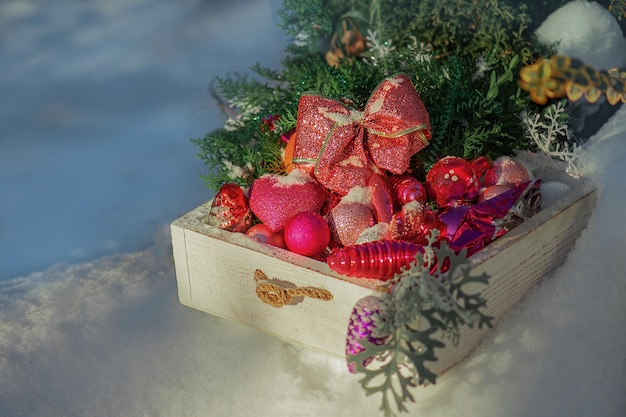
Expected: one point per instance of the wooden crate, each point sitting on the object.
(216, 274)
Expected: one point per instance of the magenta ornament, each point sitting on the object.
(361, 327)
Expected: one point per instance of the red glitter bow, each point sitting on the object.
(343, 143)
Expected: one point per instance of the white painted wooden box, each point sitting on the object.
(216, 270)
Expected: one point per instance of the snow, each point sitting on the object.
(600, 43)
(94, 164)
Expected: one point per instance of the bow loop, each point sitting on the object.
(343, 144)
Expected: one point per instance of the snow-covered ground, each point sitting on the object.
(99, 99)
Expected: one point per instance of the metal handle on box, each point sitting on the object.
(278, 293)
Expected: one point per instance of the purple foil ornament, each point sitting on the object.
(360, 327)
(484, 222)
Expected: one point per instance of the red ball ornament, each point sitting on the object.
(307, 234)
(405, 188)
(481, 165)
(229, 209)
(452, 179)
(263, 234)
(507, 171)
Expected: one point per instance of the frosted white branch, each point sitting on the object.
(377, 48)
(552, 137)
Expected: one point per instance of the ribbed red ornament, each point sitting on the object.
(405, 188)
(381, 259)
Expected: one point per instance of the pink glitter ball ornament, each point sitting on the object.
(307, 234)
(452, 179)
(380, 260)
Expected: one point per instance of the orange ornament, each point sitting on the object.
(288, 157)
(288, 163)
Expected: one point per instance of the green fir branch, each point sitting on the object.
(463, 62)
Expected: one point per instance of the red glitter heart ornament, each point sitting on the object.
(275, 199)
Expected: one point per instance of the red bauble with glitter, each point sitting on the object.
(307, 234)
(507, 171)
(405, 188)
(230, 210)
(414, 223)
(275, 199)
(452, 179)
(262, 233)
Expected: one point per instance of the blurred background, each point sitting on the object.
(99, 101)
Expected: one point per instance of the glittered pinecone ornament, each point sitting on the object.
(380, 260)
(361, 327)
(452, 179)
(349, 220)
(405, 188)
(230, 210)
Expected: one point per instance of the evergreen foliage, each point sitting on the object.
(463, 57)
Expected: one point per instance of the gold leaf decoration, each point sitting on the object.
(618, 8)
(346, 42)
(560, 76)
